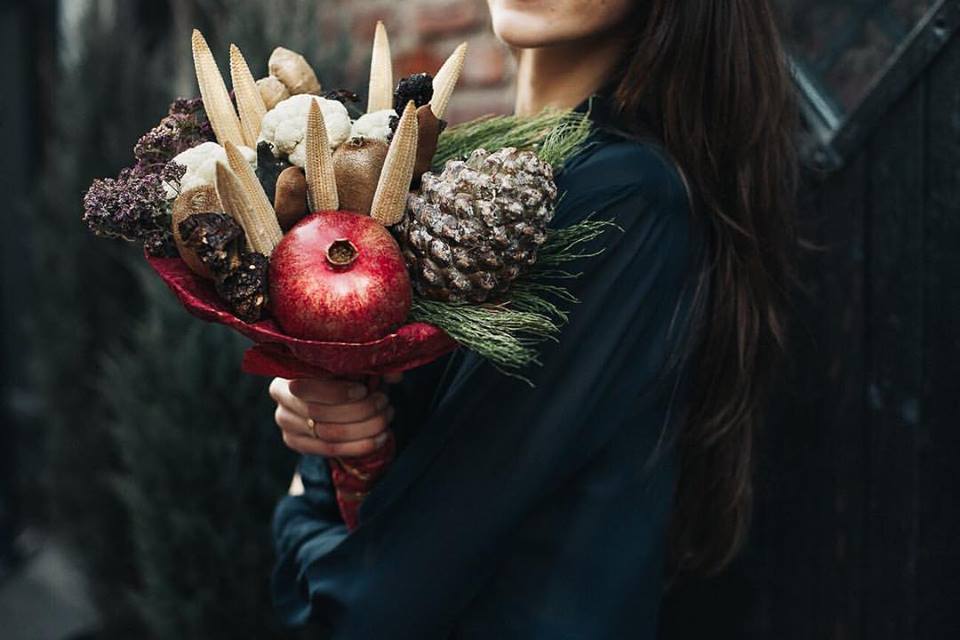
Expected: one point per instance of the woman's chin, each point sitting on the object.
(535, 25)
(521, 30)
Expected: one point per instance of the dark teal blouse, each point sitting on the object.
(526, 512)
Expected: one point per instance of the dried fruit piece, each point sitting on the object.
(214, 240)
(249, 101)
(216, 99)
(380, 94)
(293, 70)
(446, 79)
(245, 288)
(290, 202)
(357, 164)
(321, 182)
(191, 202)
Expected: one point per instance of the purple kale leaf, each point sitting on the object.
(134, 206)
(184, 127)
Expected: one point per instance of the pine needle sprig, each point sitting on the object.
(507, 337)
(541, 298)
(564, 245)
(532, 312)
(565, 139)
(553, 134)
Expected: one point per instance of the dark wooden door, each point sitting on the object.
(857, 527)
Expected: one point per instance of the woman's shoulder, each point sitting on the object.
(612, 165)
(620, 175)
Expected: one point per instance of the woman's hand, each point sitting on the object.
(331, 418)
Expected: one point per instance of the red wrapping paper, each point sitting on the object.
(275, 354)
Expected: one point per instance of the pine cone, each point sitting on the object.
(474, 228)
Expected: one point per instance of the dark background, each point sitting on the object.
(131, 441)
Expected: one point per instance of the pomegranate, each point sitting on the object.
(339, 276)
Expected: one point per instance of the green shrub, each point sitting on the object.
(156, 456)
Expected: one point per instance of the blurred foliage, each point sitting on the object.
(201, 468)
(156, 456)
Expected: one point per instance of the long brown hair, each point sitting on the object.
(712, 78)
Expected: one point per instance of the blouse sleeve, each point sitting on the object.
(424, 549)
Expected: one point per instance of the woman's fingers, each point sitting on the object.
(328, 391)
(290, 422)
(303, 405)
(335, 432)
(309, 445)
(346, 413)
(280, 393)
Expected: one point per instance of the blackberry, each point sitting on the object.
(418, 87)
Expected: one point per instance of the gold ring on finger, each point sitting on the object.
(312, 424)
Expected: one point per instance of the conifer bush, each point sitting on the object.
(156, 457)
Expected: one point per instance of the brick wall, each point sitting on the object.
(422, 34)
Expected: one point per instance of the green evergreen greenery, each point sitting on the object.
(554, 134)
(201, 467)
(84, 298)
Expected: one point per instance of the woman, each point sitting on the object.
(554, 511)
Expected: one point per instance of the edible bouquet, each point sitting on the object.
(351, 243)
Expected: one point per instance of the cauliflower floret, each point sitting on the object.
(285, 126)
(374, 125)
(201, 163)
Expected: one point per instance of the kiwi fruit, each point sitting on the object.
(357, 164)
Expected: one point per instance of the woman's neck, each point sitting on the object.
(562, 76)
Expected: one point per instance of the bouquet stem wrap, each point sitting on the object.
(354, 478)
